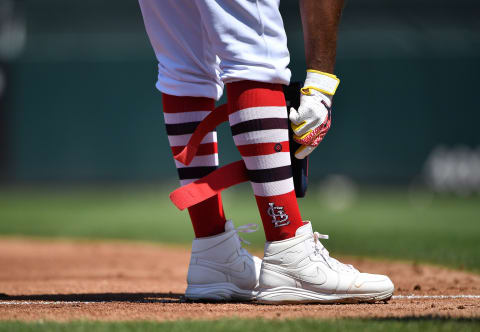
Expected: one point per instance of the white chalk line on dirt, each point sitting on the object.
(395, 297)
(418, 297)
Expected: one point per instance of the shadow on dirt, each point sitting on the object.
(100, 297)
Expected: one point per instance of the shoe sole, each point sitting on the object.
(218, 292)
(290, 295)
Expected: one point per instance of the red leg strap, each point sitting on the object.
(216, 117)
(208, 186)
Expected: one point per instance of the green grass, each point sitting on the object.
(377, 223)
(391, 325)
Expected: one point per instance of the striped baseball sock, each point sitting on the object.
(259, 124)
(182, 115)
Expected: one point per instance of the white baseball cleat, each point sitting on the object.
(300, 270)
(220, 269)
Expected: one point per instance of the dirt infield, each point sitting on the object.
(60, 280)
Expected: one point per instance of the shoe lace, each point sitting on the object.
(320, 250)
(248, 228)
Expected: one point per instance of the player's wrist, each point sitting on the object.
(323, 82)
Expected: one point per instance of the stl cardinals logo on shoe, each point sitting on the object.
(279, 217)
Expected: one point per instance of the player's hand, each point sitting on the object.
(311, 122)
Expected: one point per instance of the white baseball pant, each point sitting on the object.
(202, 44)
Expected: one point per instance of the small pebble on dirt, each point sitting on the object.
(417, 287)
(433, 305)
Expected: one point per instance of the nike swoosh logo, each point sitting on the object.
(314, 277)
(234, 269)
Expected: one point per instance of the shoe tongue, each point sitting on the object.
(305, 229)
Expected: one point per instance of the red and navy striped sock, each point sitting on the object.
(182, 115)
(259, 124)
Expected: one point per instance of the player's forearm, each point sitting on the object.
(320, 20)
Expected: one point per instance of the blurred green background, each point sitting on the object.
(83, 151)
(81, 103)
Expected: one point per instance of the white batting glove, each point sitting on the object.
(312, 121)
